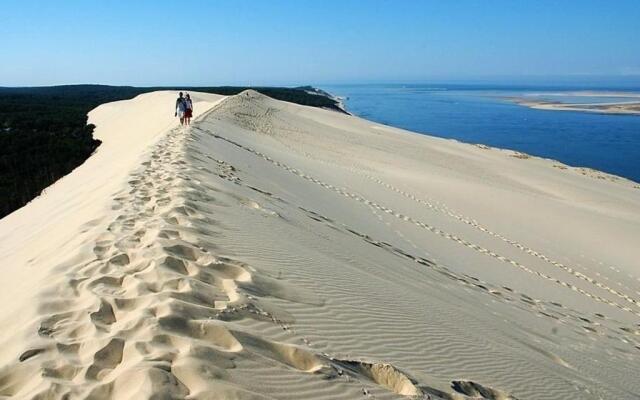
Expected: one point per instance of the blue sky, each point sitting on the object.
(318, 42)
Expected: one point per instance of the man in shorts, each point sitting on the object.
(181, 107)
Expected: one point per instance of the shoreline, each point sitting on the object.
(581, 169)
(614, 108)
(340, 101)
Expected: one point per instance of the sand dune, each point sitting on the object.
(274, 251)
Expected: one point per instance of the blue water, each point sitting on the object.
(475, 114)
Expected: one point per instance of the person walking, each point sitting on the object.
(188, 112)
(181, 107)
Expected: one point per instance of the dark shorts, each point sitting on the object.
(188, 114)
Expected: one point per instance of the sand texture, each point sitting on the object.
(275, 251)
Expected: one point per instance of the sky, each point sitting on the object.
(290, 42)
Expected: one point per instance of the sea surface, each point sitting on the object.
(488, 115)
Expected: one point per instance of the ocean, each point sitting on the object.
(487, 115)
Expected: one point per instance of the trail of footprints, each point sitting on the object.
(443, 209)
(125, 311)
(581, 325)
(151, 313)
(473, 223)
(551, 309)
(437, 231)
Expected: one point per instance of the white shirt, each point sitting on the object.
(181, 104)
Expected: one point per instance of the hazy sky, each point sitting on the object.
(324, 41)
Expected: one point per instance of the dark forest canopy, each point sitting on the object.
(44, 133)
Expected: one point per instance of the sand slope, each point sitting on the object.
(274, 251)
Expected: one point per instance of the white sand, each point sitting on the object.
(274, 251)
(626, 107)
